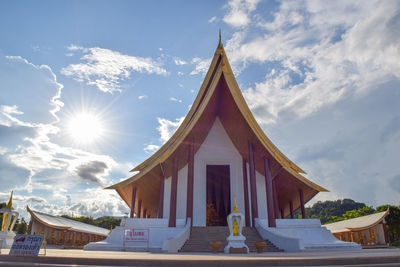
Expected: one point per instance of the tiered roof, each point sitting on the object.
(219, 95)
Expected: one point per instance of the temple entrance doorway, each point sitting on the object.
(218, 195)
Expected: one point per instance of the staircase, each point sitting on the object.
(200, 238)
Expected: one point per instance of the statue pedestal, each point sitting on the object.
(6, 239)
(236, 245)
(236, 239)
(9, 219)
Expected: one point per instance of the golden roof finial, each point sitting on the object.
(219, 43)
(9, 204)
(235, 209)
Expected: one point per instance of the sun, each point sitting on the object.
(85, 128)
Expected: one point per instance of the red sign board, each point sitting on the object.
(136, 235)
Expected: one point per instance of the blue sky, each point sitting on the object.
(322, 79)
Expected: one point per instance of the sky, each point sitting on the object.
(90, 89)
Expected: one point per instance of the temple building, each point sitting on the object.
(218, 152)
(369, 230)
(62, 231)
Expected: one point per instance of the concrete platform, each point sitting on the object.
(57, 257)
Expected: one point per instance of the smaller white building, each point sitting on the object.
(62, 231)
(369, 230)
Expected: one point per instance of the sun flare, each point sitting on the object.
(85, 128)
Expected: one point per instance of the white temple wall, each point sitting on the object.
(379, 234)
(217, 149)
(167, 196)
(181, 193)
(261, 196)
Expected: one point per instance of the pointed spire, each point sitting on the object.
(220, 42)
(9, 204)
(235, 209)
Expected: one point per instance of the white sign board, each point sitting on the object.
(26, 245)
(136, 235)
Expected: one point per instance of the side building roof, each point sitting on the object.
(61, 223)
(357, 224)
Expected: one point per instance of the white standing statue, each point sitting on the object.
(9, 219)
(236, 239)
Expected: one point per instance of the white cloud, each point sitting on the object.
(202, 65)
(151, 148)
(329, 97)
(4, 197)
(173, 99)
(212, 19)
(239, 12)
(318, 63)
(142, 97)
(31, 161)
(105, 68)
(73, 47)
(97, 203)
(179, 62)
(3, 150)
(166, 127)
(47, 86)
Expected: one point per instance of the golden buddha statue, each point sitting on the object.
(235, 227)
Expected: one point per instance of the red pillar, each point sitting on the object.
(190, 181)
(139, 214)
(282, 214)
(133, 202)
(275, 195)
(161, 201)
(145, 213)
(253, 186)
(174, 185)
(270, 194)
(246, 194)
(303, 210)
(291, 209)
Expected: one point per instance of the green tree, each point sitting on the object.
(104, 222)
(20, 226)
(367, 210)
(107, 222)
(324, 210)
(350, 214)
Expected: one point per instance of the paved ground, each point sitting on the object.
(63, 257)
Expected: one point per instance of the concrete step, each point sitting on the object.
(200, 238)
